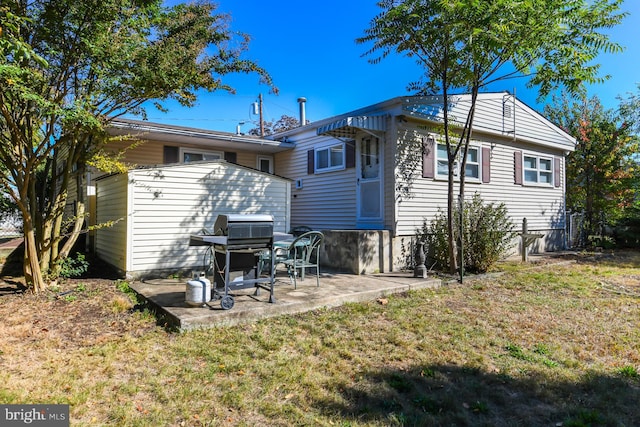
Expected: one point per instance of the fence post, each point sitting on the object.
(525, 231)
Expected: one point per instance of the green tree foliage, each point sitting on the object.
(630, 110)
(465, 45)
(11, 43)
(601, 173)
(628, 228)
(7, 207)
(68, 68)
(488, 234)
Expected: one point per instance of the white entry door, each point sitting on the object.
(369, 182)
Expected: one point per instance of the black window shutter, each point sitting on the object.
(350, 154)
(517, 167)
(311, 167)
(231, 157)
(486, 165)
(428, 166)
(170, 154)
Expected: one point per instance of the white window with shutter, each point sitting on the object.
(537, 170)
(472, 168)
(329, 158)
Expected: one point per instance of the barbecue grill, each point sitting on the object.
(252, 230)
(236, 244)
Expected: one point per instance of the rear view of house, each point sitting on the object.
(370, 177)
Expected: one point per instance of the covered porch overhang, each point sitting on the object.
(348, 127)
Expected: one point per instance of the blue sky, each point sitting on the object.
(309, 49)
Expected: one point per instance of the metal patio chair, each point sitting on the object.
(302, 253)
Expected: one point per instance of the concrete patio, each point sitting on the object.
(167, 296)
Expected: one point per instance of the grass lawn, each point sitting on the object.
(555, 345)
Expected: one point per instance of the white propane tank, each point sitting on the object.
(198, 291)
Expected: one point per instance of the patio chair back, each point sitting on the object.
(304, 253)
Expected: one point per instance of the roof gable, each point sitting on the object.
(496, 113)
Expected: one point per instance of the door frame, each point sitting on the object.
(369, 223)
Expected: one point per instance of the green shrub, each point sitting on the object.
(605, 242)
(435, 234)
(489, 234)
(73, 267)
(487, 230)
(627, 230)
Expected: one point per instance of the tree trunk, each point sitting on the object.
(45, 244)
(72, 238)
(588, 208)
(32, 272)
(465, 139)
(451, 156)
(453, 250)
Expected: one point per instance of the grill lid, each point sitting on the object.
(246, 228)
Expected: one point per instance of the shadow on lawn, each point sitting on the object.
(623, 258)
(453, 395)
(97, 269)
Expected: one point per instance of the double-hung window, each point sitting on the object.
(537, 170)
(329, 158)
(472, 168)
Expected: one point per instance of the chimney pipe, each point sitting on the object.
(303, 118)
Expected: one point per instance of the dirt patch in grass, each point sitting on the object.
(71, 313)
(76, 313)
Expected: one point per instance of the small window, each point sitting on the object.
(329, 158)
(538, 170)
(472, 168)
(265, 164)
(188, 155)
(443, 160)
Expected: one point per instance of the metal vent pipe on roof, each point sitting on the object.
(303, 118)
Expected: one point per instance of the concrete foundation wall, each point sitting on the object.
(375, 251)
(357, 251)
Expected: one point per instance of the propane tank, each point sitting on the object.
(198, 291)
